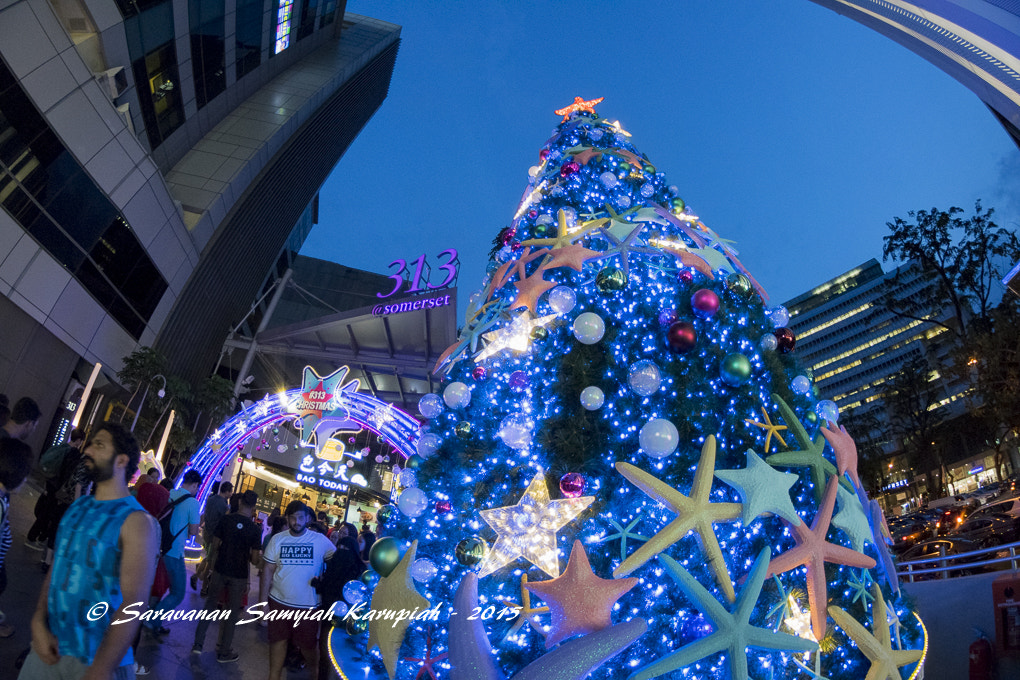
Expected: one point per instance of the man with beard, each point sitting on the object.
(104, 564)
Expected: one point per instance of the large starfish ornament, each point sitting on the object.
(428, 661)
(884, 556)
(845, 449)
(859, 586)
(518, 267)
(515, 336)
(694, 513)
(579, 601)
(394, 592)
(851, 520)
(525, 612)
(578, 105)
(762, 489)
(530, 289)
(470, 335)
(769, 427)
(528, 529)
(623, 533)
(813, 551)
(564, 235)
(583, 154)
(810, 453)
(732, 630)
(627, 245)
(573, 256)
(876, 645)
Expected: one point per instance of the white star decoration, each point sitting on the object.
(762, 489)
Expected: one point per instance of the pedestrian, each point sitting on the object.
(24, 417)
(184, 523)
(153, 473)
(236, 544)
(345, 565)
(154, 498)
(365, 539)
(73, 481)
(15, 464)
(215, 509)
(51, 463)
(106, 552)
(292, 559)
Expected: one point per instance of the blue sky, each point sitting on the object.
(793, 131)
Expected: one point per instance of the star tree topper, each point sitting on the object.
(528, 529)
(578, 105)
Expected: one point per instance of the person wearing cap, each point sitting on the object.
(292, 560)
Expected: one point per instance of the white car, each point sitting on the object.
(1009, 506)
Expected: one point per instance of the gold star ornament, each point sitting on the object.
(528, 529)
(876, 645)
(395, 592)
(578, 105)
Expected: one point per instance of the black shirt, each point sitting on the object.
(239, 535)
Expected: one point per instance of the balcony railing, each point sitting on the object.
(960, 565)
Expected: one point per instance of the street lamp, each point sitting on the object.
(161, 393)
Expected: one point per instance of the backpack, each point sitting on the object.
(166, 539)
(51, 460)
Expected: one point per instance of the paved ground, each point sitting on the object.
(171, 660)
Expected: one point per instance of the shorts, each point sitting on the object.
(304, 635)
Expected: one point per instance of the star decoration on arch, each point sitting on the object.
(525, 611)
(851, 520)
(810, 454)
(428, 661)
(876, 644)
(813, 551)
(762, 489)
(395, 592)
(694, 513)
(515, 335)
(528, 529)
(319, 413)
(623, 533)
(579, 601)
(772, 429)
(578, 105)
(732, 630)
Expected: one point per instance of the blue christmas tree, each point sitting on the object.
(625, 472)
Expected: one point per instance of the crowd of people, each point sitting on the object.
(108, 534)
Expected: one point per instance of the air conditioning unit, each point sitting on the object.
(125, 112)
(113, 81)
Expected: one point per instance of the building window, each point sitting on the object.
(208, 58)
(307, 25)
(248, 36)
(283, 16)
(328, 13)
(150, 38)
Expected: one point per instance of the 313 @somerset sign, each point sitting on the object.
(449, 266)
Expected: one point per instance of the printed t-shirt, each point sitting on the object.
(298, 560)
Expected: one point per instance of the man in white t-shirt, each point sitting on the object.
(293, 558)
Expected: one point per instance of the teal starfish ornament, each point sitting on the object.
(782, 607)
(733, 632)
(762, 489)
(851, 519)
(810, 453)
(860, 587)
(623, 533)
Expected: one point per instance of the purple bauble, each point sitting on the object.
(479, 373)
(667, 317)
(681, 337)
(705, 303)
(519, 381)
(685, 276)
(572, 484)
(569, 168)
(443, 507)
(785, 339)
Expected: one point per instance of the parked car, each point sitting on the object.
(928, 555)
(1007, 506)
(908, 530)
(950, 518)
(988, 530)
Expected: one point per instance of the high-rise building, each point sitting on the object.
(975, 41)
(155, 157)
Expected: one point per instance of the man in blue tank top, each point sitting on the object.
(105, 561)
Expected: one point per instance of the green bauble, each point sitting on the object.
(384, 555)
(735, 369)
(811, 417)
(739, 284)
(463, 429)
(611, 279)
(414, 462)
(356, 627)
(471, 551)
(386, 513)
(369, 578)
(544, 230)
(623, 167)
(539, 334)
(650, 169)
(679, 205)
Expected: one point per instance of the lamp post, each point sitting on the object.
(161, 393)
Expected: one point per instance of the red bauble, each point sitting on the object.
(532, 214)
(543, 154)
(705, 303)
(572, 485)
(785, 339)
(685, 276)
(479, 373)
(443, 507)
(506, 235)
(569, 168)
(681, 337)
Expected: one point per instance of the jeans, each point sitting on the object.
(178, 576)
(68, 668)
(236, 590)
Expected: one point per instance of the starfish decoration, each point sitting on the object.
(630, 156)
(625, 246)
(623, 533)
(851, 520)
(470, 335)
(885, 558)
(428, 660)
(799, 621)
(530, 289)
(525, 611)
(762, 489)
(782, 607)
(894, 620)
(860, 587)
(813, 551)
(770, 427)
(732, 630)
(528, 529)
(876, 645)
(846, 451)
(515, 336)
(810, 453)
(579, 601)
(682, 253)
(508, 269)
(578, 105)
(395, 592)
(695, 513)
(564, 236)
(583, 154)
(619, 227)
(573, 256)
(615, 127)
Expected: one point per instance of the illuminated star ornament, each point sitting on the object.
(318, 410)
(732, 630)
(528, 529)
(876, 644)
(428, 660)
(770, 427)
(515, 336)
(578, 105)
(695, 513)
(762, 489)
(580, 602)
(395, 592)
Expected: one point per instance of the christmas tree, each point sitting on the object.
(625, 473)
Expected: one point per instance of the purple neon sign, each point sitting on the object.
(422, 271)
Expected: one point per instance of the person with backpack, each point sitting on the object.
(50, 464)
(179, 521)
(73, 482)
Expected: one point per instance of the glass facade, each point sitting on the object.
(208, 58)
(248, 36)
(307, 24)
(328, 13)
(283, 24)
(150, 36)
(51, 196)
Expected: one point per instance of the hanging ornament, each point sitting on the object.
(430, 405)
(609, 179)
(414, 462)
(384, 555)
(516, 431)
(443, 507)
(572, 484)
(800, 385)
(356, 627)
(682, 337)
(463, 429)
(705, 303)
(739, 285)
(385, 513)
(539, 333)
(479, 373)
(779, 316)
(355, 592)
(569, 168)
(827, 410)
(735, 369)
(685, 276)
(428, 444)
(589, 328)
(785, 339)
(407, 478)
(412, 501)
(519, 381)
(611, 279)
(644, 377)
(471, 551)
(562, 299)
(668, 317)
(768, 342)
(592, 398)
(658, 438)
(423, 570)
(457, 395)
